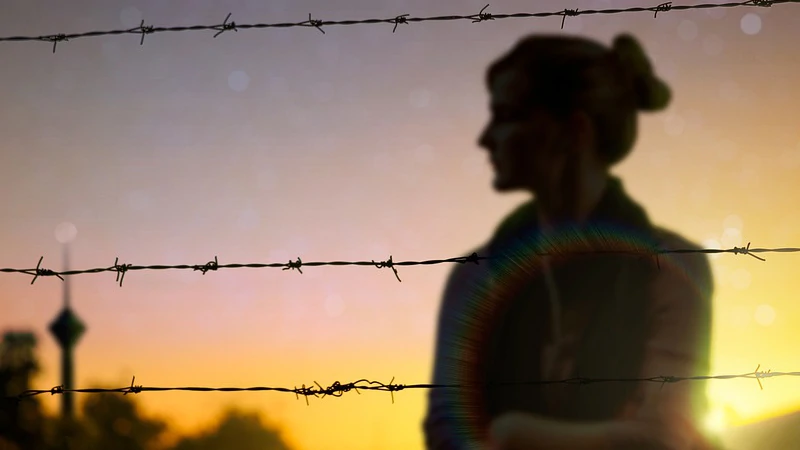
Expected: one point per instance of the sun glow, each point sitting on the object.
(715, 421)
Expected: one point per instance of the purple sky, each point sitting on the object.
(266, 145)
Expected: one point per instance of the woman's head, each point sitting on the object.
(554, 95)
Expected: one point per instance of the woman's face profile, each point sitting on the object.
(521, 139)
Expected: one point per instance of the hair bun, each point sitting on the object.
(652, 94)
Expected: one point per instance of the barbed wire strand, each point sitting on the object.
(337, 389)
(142, 30)
(298, 264)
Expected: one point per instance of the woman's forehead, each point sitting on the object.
(509, 88)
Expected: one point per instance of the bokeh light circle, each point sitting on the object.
(66, 232)
(750, 24)
(765, 315)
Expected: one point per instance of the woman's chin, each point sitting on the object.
(501, 185)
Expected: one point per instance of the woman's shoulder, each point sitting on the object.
(469, 269)
(469, 272)
(665, 236)
(693, 264)
(464, 280)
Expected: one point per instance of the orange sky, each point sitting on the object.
(266, 145)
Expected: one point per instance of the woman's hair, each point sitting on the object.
(609, 84)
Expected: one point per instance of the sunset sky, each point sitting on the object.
(270, 144)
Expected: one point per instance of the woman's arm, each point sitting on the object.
(666, 417)
(450, 421)
(523, 431)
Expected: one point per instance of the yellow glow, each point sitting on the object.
(715, 422)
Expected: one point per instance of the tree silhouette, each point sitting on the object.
(66, 433)
(21, 422)
(114, 421)
(109, 420)
(237, 429)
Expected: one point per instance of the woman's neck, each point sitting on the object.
(555, 209)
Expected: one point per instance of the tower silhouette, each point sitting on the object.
(67, 328)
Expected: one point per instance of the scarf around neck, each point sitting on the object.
(612, 346)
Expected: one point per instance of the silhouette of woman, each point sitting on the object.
(572, 289)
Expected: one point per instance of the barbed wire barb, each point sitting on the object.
(143, 30)
(211, 265)
(405, 19)
(121, 270)
(388, 263)
(225, 26)
(568, 12)
(481, 16)
(762, 374)
(314, 23)
(656, 251)
(398, 20)
(133, 389)
(473, 258)
(304, 391)
(664, 7)
(295, 265)
(746, 251)
(40, 272)
(55, 39)
(394, 387)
